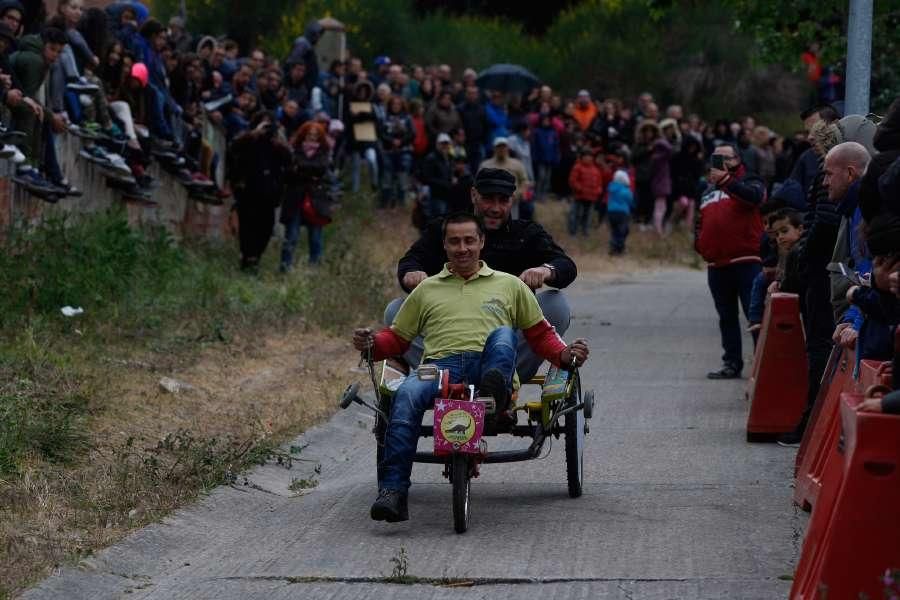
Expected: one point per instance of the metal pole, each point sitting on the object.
(859, 58)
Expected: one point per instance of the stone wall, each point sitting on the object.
(170, 204)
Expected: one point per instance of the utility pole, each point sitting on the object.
(859, 58)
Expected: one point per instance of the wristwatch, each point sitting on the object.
(552, 270)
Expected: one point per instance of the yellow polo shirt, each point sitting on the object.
(456, 315)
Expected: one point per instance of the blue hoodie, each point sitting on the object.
(619, 198)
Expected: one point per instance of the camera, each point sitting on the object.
(717, 161)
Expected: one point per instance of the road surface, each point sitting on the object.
(676, 503)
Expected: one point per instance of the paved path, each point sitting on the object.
(676, 504)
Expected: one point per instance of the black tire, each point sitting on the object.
(384, 404)
(462, 486)
(574, 429)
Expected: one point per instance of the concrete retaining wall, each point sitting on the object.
(170, 204)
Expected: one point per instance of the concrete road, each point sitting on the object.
(676, 503)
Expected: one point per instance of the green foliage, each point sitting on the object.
(782, 32)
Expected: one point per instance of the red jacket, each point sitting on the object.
(730, 226)
(586, 181)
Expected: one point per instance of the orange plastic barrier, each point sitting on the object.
(823, 429)
(778, 384)
(852, 535)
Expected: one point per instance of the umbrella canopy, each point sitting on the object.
(507, 78)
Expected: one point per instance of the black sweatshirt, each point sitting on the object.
(516, 247)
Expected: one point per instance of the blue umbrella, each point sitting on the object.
(507, 78)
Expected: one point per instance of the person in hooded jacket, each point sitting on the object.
(887, 142)
(396, 134)
(307, 201)
(304, 51)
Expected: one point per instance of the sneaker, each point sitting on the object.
(390, 506)
(33, 181)
(726, 372)
(95, 154)
(790, 440)
(67, 189)
(7, 151)
(118, 163)
(493, 383)
(80, 84)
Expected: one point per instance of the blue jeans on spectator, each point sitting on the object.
(156, 104)
(618, 231)
(414, 397)
(580, 217)
(729, 286)
(292, 235)
(544, 177)
(395, 182)
(370, 155)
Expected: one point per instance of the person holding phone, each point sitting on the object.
(728, 237)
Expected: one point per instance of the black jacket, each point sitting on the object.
(887, 142)
(437, 174)
(514, 248)
(475, 122)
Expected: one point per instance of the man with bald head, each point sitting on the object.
(845, 164)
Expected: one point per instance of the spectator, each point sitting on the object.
(497, 119)
(585, 110)
(502, 160)
(687, 168)
(620, 203)
(363, 134)
(475, 122)
(437, 174)
(545, 153)
(660, 183)
(728, 237)
(397, 134)
(259, 160)
(307, 202)
(442, 117)
(182, 41)
(586, 181)
(761, 140)
(304, 52)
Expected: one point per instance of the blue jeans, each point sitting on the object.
(730, 285)
(292, 234)
(414, 397)
(395, 182)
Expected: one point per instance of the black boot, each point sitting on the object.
(390, 506)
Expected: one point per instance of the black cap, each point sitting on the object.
(495, 181)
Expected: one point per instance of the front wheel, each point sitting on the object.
(462, 486)
(574, 431)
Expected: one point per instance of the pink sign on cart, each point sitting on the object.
(457, 426)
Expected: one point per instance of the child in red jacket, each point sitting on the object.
(586, 181)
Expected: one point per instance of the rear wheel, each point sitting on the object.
(462, 485)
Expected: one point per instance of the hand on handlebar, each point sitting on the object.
(535, 278)
(413, 278)
(575, 353)
(363, 339)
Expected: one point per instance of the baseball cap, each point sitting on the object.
(495, 181)
(584, 93)
(382, 60)
(443, 138)
(501, 141)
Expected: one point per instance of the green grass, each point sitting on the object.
(140, 289)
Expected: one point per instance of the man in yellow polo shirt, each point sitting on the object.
(468, 314)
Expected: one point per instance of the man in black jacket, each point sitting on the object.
(437, 174)
(476, 125)
(518, 247)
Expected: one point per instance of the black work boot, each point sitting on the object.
(390, 506)
(493, 383)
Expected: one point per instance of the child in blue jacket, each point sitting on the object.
(620, 203)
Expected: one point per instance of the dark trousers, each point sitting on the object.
(618, 231)
(818, 325)
(729, 286)
(255, 223)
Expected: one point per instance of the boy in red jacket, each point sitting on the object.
(586, 181)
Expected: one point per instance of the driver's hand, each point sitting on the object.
(363, 339)
(414, 278)
(578, 350)
(535, 278)
(848, 338)
(871, 405)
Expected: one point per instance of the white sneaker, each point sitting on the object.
(17, 158)
(118, 163)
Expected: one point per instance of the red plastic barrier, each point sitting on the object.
(874, 372)
(823, 429)
(852, 537)
(778, 385)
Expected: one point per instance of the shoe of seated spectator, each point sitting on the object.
(17, 157)
(7, 151)
(80, 84)
(118, 163)
(726, 372)
(67, 189)
(32, 180)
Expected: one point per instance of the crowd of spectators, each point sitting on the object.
(768, 207)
